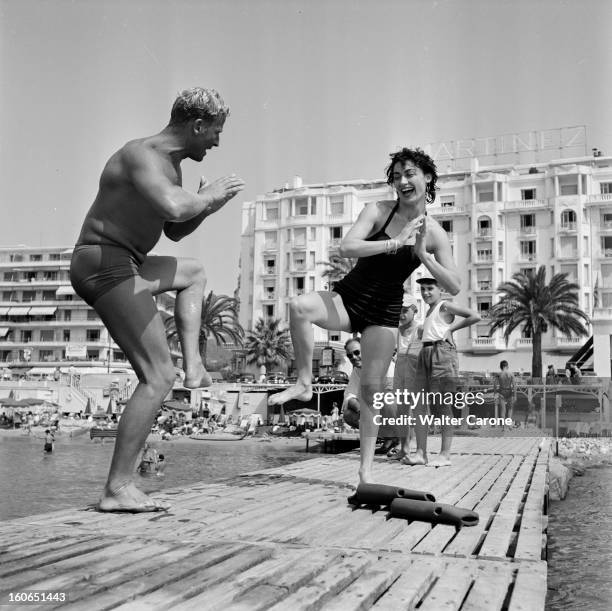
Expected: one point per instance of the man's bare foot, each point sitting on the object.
(299, 391)
(197, 377)
(418, 459)
(128, 499)
(441, 461)
(365, 475)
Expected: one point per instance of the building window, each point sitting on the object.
(313, 234)
(447, 226)
(47, 335)
(528, 249)
(92, 315)
(605, 188)
(45, 355)
(67, 315)
(336, 205)
(528, 223)
(270, 238)
(301, 206)
(10, 276)
(311, 260)
(93, 355)
(335, 233)
(500, 250)
(269, 311)
(311, 284)
(271, 212)
(569, 189)
(26, 336)
(528, 194)
(447, 201)
(484, 226)
(35, 257)
(28, 296)
(299, 236)
(568, 219)
(93, 335)
(270, 265)
(486, 195)
(54, 256)
(48, 295)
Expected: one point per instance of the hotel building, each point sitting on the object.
(43, 323)
(500, 219)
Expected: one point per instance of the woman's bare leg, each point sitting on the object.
(324, 309)
(377, 344)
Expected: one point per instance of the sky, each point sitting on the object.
(323, 89)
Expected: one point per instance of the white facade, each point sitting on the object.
(500, 219)
(43, 323)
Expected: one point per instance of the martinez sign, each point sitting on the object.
(520, 148)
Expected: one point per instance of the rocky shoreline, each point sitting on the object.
(574, 456)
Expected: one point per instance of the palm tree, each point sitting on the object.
(219, 320)
(267, 344)
(528, 301)
(337, 268)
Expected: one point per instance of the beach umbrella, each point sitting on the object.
(281, 418)
(89, 407)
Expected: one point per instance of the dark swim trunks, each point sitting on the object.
(97, 268)
(373, 290)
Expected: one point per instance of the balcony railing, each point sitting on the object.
(269, 296)
(484, 233)
(484, 257)
(570, 226)
(524, 342)
(528, 230)
(528, 257)
(526, 203)
(485, 285)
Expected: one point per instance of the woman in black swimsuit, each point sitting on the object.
(391, 239)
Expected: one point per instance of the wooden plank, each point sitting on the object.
(117, 590)
(368, 587)
(409, 589)
(529, 591)
(498, 537)
(466, 540)
(490, 588)
(449, 590)
(197, 581)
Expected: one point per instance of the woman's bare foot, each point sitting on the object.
(299, 391)
(128, 499)
(197, 377)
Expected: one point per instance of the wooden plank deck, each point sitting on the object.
(285, 538)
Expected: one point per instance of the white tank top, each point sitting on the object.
(434, 326)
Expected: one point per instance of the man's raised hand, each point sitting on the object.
(220, 191)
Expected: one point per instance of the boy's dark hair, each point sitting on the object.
(503, 364)
(421, 160)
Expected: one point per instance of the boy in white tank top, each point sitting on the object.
(437, 368)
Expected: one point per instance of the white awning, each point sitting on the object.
(4, 331)
(41, 371)
(18, 311)
(65, 290)
(4, 311)
(43, 311)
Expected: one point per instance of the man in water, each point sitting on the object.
(140, 196)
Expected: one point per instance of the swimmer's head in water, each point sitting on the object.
(422, 161)
(198, 103)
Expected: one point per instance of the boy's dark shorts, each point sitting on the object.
(438, 372)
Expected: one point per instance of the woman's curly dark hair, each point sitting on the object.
(421, 160)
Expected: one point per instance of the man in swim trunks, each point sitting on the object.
(390, 239)
(140, 196)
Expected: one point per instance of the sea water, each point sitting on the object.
(33, 482)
